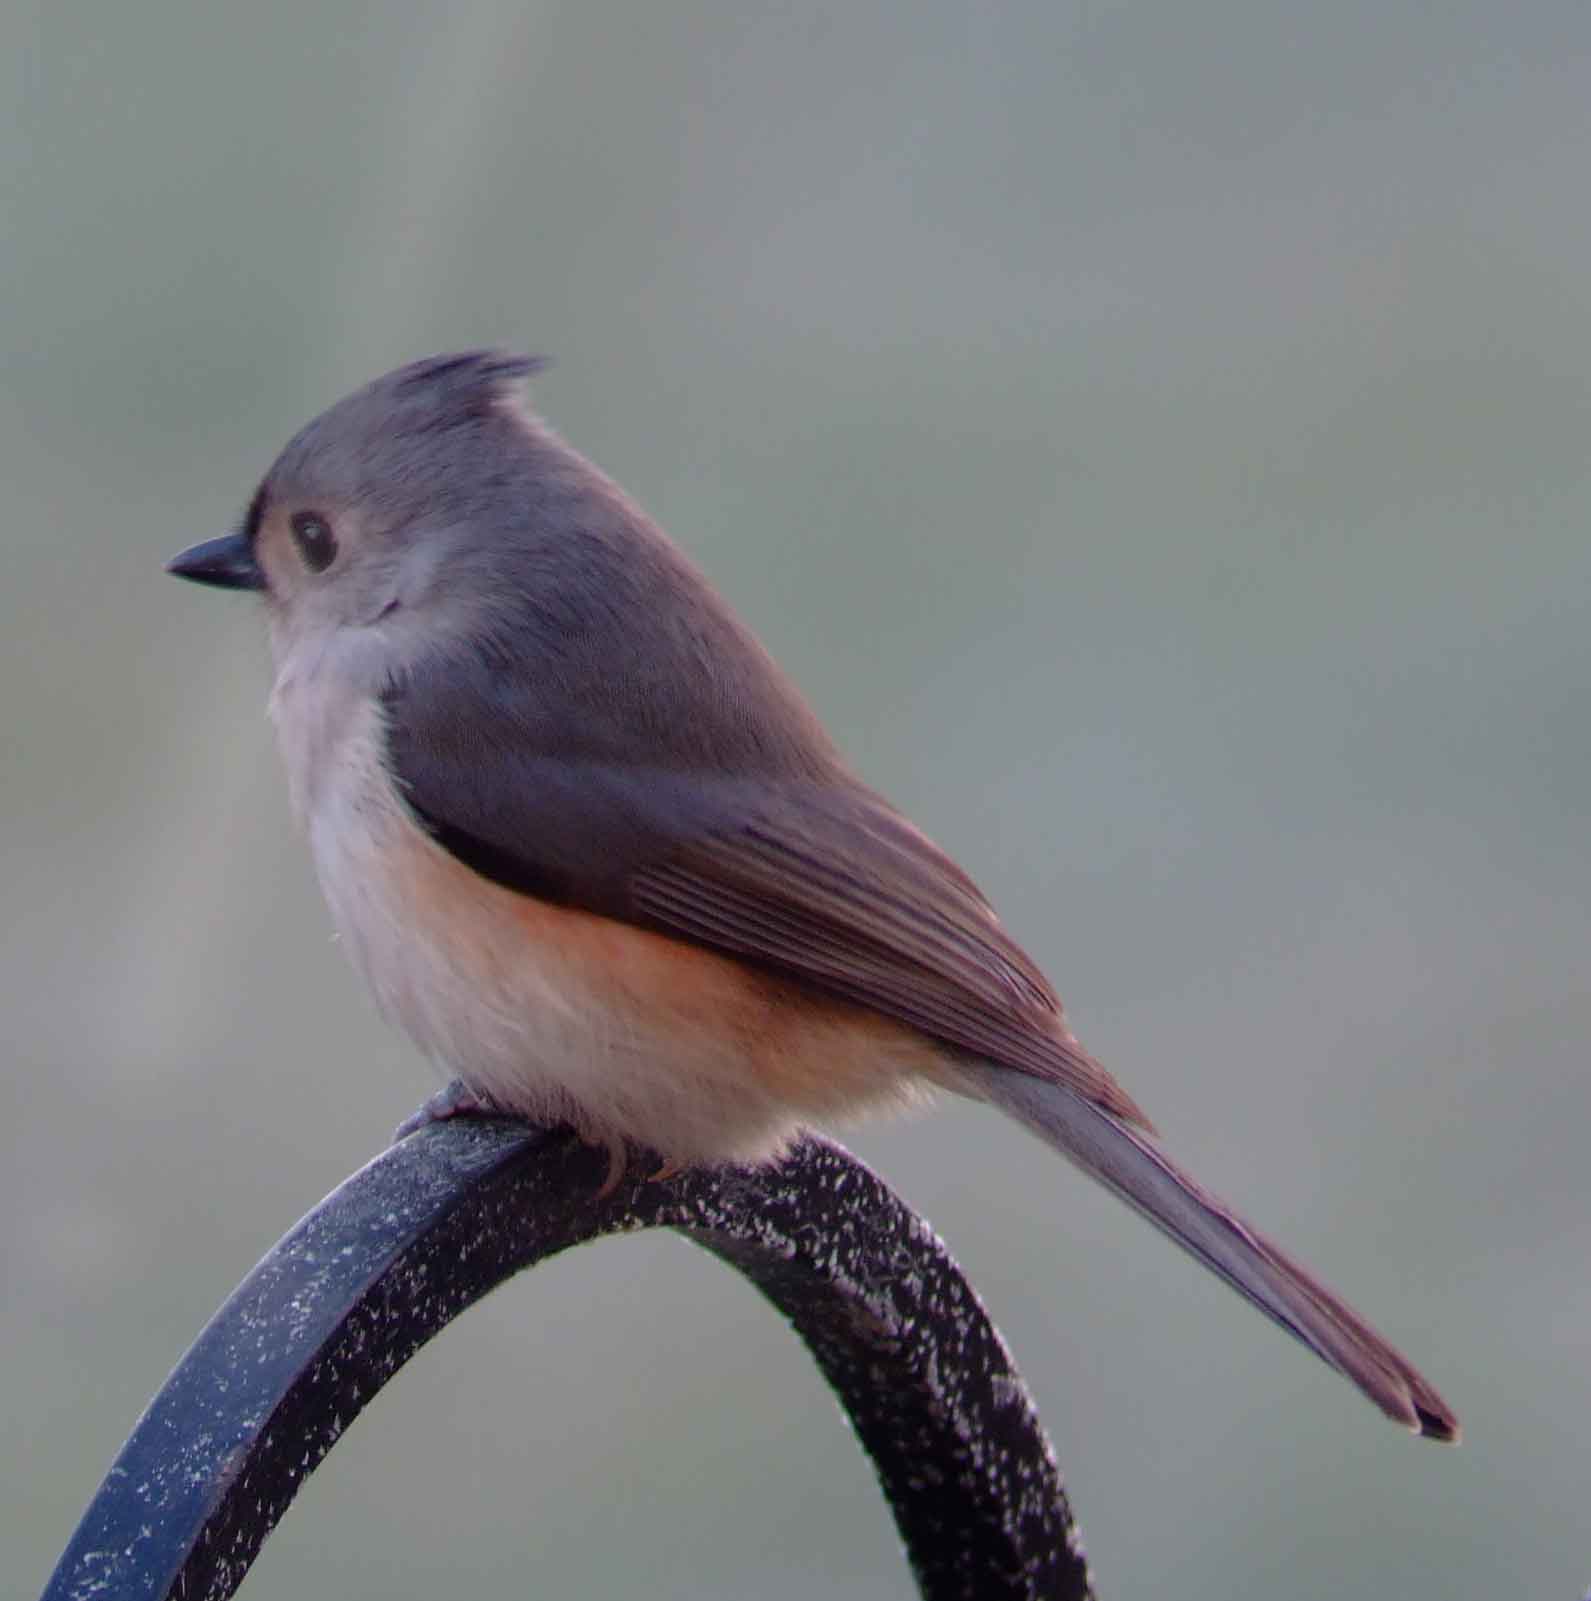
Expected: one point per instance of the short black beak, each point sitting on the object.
(228, 563)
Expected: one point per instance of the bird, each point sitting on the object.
(595, 854)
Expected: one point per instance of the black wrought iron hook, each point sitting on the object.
(425, 1230)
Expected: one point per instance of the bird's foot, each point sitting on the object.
(456, 1100)
(618, 1161)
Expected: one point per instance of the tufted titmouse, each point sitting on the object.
(592, 850)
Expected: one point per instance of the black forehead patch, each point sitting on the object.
(248, 525)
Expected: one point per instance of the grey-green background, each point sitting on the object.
(1156, 437)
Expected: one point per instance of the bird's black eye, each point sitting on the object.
(317, 544)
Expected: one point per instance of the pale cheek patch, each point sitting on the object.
(561, 1014)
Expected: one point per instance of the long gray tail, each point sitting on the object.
(1129, 1162)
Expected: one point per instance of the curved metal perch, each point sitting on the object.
(427, 1228)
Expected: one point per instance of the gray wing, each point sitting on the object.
(777, 856)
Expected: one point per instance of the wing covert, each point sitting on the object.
(795, 865)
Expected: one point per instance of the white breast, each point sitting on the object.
(418, 925)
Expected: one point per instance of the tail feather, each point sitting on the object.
(1129, 1162)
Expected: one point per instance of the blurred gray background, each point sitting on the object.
(1156, 437)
